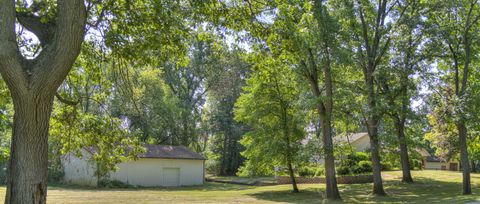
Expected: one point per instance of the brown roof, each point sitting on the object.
(170, 152)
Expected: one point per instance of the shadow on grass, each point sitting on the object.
(208, 186)
(308, 195)
(424, 190)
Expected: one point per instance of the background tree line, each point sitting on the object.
(254, 85)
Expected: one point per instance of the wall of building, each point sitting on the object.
(362, 144)
(79, 170)
(438, 165)
(150, 171)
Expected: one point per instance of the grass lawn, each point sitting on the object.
(430, 187)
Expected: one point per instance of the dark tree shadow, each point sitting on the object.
(309, 195)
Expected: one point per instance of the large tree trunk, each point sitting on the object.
(462, 133)
(406, 175)
(32, 84)
(27, 169)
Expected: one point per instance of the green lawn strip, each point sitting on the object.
(429, 187)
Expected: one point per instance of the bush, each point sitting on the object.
(55, 172)
(213, 167)
(311, 171)
(106, 183)
(415, 164)
(387, 166)
(363, 167)
(355, 163)
(343, 170)
(320, 171)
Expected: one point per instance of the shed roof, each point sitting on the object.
(170, 152)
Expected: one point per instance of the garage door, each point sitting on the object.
(171, 176)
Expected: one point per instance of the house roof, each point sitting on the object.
(170, 152)
(434, 159)
(423, 152)
(351, 137)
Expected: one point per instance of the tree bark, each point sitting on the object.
(462, 133)
(33, 84)
(372, 125)
(27, 170)
(288, 152)
(404, 159)
(292, 177)
(325, 109)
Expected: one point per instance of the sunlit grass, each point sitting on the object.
(430, 187)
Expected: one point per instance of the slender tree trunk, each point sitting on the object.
(325, 109)
(27, 169)
(462, 133)
(372, 125)
(326, 121)
(330, 177)
(292, 176)
(404, 159)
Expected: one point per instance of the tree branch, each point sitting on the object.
(66, 101)
(56, 60)
(11, 61)
(44, 31)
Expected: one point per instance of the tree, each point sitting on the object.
(370, 29)
(220, 119)
(33, 84)
(395, 79)
(81, 122)
(454, 29)
(268, 107)
(304, 33)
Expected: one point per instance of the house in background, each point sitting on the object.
(358, 141)
(361, 142)
(160, 165)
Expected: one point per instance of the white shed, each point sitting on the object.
(160, 165)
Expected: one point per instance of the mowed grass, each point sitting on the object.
(430, 187)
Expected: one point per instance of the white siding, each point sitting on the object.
(150, 171)
(438, 165)
(361, 144)
(78, 171)
(142, 172)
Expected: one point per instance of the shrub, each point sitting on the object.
(386, 166)
(355, 163)
(213, 167)
(320, 171)
(306, 172)
(363, 167)
(55, 172)
(106, 183)
(343, 170)
(415, 164)
(311, 171)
